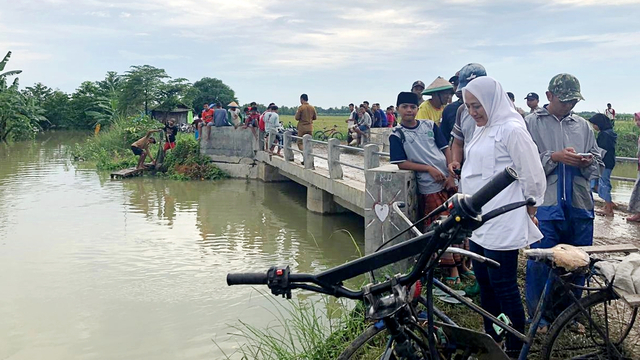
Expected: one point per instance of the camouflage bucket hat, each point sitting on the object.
(566, 87)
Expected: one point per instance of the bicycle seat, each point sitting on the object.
(563, 256)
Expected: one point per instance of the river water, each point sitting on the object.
(93, 268)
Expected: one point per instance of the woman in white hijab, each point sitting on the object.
(501, 139)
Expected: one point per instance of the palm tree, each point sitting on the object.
(20, 116)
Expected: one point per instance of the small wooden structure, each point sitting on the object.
(180, 114)
(126, 173)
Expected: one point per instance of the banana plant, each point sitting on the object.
(3, 63)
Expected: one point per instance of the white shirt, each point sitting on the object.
(491, 149)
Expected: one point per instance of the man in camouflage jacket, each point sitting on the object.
(570, 158)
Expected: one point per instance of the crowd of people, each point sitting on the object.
(462, 145)
(458, 146)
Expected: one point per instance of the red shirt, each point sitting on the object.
(390, 119)
(207, 115)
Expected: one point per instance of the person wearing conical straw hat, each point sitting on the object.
(234, 114)
(441, 92)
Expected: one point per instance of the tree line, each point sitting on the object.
(134, 93)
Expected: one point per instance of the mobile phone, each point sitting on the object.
(585, 154)
(457, 171)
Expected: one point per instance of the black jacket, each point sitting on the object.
(606, 140)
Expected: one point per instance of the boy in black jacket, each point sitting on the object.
(607, 140)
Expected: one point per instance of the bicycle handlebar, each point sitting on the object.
(464, 210)
(247, 279)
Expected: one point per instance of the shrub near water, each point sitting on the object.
(111, 148)
(186, 163)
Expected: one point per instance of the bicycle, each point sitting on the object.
(562, 338)
(327, 133)
(395, 314)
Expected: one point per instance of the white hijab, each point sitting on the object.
(495, 101)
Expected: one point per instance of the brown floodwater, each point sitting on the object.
(93, 268)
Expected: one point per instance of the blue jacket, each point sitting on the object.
(568, 188)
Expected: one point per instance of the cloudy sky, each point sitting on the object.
(336, 51)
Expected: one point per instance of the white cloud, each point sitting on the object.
(101, 14)
(125, 14)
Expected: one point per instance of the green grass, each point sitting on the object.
(628, 134)
(303, 329)
(321, 123)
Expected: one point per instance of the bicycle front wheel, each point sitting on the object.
(374, 343)
(573, 336)
(337, 135)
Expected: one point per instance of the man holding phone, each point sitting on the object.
(570, 158)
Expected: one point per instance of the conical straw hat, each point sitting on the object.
(439, 84)
(233, 104)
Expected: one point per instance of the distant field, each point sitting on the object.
(322, 122)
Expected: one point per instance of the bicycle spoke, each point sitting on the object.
(605, 331)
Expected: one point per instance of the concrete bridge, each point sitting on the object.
(338, 178)
(341, 178)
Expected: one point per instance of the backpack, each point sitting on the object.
(261, 122)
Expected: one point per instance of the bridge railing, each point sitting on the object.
(371, 153)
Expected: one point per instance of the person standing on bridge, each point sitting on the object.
(305, 116)
(634, 202)
(570, 158)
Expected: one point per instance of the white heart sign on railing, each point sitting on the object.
(382, 211)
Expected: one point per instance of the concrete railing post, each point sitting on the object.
(270, 139)
(307, 152)
(384, 186)
(333, 154)
(371, 160)
(288, 153)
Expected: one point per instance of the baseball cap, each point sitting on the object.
(532, 96)
(470, 72)
(418, 83)
(566, 87)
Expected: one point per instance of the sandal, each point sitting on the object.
(469, 275)
(452, 280)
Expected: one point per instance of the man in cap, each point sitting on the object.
(450, 111)
(532, 102)
(419, 146)
(570, 158)
(441, 92)
(417, 88)
(513, 100)
(464, 126)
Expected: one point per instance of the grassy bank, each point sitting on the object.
(323, 122)
(628, 134)
(111, 150)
